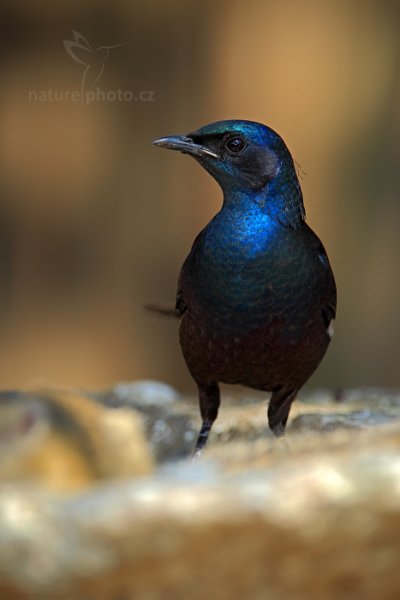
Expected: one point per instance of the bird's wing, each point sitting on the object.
(180, 304)
(327, 290)
(329, 297)
(181, 301)
(180, 307)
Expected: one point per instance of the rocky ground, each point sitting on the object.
(98, 499)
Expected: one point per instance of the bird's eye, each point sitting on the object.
(235, 144)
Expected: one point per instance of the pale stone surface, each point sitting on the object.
(252, 519)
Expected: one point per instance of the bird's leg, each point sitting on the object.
(209, 399)
(278, 410)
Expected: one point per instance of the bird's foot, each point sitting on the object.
(202, 439)
(196, 455)
(283, 444)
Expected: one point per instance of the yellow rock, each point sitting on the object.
(66, 441)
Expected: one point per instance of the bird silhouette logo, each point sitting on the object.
(93, 59)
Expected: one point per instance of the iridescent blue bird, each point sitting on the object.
(256, 294)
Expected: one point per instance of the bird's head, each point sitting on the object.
(239, 154)
(250, 161)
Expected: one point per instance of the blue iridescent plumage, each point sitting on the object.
(256, 295)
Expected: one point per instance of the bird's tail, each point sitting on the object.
(163, 309)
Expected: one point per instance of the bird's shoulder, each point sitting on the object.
(328, 284)
(180, 303)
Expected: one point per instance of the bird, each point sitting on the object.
(256, 295)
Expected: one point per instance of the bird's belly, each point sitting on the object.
(254, 318)
(262, 357)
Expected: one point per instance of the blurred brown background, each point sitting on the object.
(95, 222)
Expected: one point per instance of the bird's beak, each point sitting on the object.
(184, 144)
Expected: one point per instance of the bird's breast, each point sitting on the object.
(236, 259)
(249, 272)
